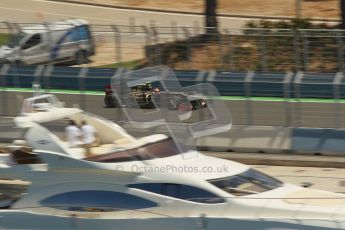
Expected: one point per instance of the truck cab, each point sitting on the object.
(69, 40)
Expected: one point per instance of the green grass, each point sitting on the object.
(232, 98)
(57, 91)
(4, 38)
(128, 65)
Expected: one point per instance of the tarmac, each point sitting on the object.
(296, 160)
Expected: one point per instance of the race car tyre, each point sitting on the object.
(110, 101)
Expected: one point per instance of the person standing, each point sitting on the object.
(89, 137)
(73, 134)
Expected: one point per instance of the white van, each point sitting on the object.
(69, 40)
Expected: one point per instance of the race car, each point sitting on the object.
(109, 98)
(147, 97)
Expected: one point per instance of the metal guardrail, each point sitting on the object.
(247, 84)
(254, 98)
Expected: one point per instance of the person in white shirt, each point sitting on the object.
(89, 137)
(73, 134)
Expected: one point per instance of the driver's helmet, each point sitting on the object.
(156, 90)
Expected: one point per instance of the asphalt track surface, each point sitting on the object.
(243, 112)
(40, 10)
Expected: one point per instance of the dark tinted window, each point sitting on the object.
(150, 187)
(81, 33)
(184, 192)
(96, 201)
(198, 195)
(171, 190)
(160, 149)
(33, 41)
(246, 183)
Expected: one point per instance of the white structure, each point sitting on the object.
(46, 119)
(68, 40)
(148, 184)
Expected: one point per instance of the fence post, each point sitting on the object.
(340, 51)
(11, 28)
(174, 30)
(230, 60)
(248, 92)
(158, 59)
(287, 95)
(17, 26)
(147, 44)
(118, 51)
(81, 81)
(221, 51)
(208, 77)
(3, 72)
(47, 75)
(196, 26)
(38, 74)
(132, 25)
(200, 77)
(119, 113)
(263, 51)
(337, 96)
(297, 87)
(49, 45)
(188, 46)
(153, 23)
(305, 51)
(297, 50)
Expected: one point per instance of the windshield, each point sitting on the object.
(16, 39)
(160, 149)
(246, 183)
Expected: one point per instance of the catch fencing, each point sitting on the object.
(189, 48)
(275, 77)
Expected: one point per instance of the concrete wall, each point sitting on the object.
(248, 139)
(255, 139)
(325, 141)
(267, 139)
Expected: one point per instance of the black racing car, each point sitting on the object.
(147, 96)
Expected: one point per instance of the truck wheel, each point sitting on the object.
(148, 102)
(81, 57)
